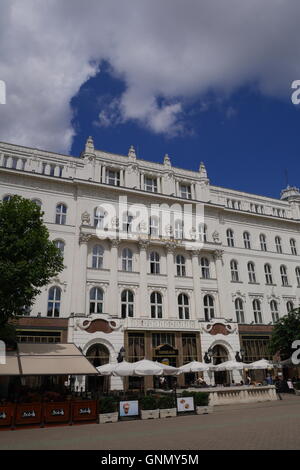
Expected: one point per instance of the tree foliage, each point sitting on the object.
(285, 332)
(28, 259)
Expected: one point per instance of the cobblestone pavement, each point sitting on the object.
(268, 425)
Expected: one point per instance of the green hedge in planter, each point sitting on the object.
(200, 398)
(107, 405)
(148, 403)
(166, 401)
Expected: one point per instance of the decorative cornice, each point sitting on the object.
(84, 237)
(218, 255)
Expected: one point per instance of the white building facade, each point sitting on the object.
(153, 289)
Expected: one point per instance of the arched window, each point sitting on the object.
(268, 274)
(263, 242)
(251, 272)
(234, 270)
(183, 307)
(37, 202)
(154, 263)
(178, 232)
(257, 311)
(156, 305)
(209, 307)
(284, 277)
(54, 301)
(98, 355)
(96, 300)
(278, 244)
(274, 311)
(127, 303)
(127, 222)
(97, 257)
(61, 214)
(247, 241)
(99, 215)
(127, 259)
(202, 230)
(297, 271)
(230, 237)
(180, 265)
(153, 226)
(239, 310)
(293, 246)
(289, 306)
(205, 272)
(60, 245)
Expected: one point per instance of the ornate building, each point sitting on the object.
(131, 287)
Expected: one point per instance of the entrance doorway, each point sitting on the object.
(220, 355)
(98, 355)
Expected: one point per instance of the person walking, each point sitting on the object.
(278, 386)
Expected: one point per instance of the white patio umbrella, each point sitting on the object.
(229, 365)
(261, 364)
(124, 369)
(146, 367)
(169, 370)
(106, 369)
(194, 366)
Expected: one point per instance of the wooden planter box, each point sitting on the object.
(84, 411)
(149, 414)
(56, 412)
(108, 417)
(6, 415)
(28, 413)
(204, 410)
(167, 412)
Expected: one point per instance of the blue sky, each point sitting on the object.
(198, 79)
(247, 141)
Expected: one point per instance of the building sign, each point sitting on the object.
(166, 350)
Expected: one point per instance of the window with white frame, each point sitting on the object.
(297, 271)
(239, 310)
(234, 270)
(178, 232)
(61, 214)
(154, 226)
(113, 177)
(289, 306)
(154, 263)
(257, 311)
(278, 244)
(156, 305)
(97, 257)
(60, 244)
(230, 237)
(185, 191)
(268, 274)
(274, 311)
(209, 307)
(150, 184)
(127, 258)
(127, 222)
(202, 230)
(293, 246)
(247, 241)
(96, 300)
(99, 215)
(180, 265)
(284, 277)
(251, 272)
(37, 202)
(54, 302)
(205, 271)
(127, 303)
(263, 242)
(7, 198)
(183, 307)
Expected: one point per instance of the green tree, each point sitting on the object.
(28, 259)
(285, 332)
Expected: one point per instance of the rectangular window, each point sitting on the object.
(113, 177)
(150, 184)
(185, 191)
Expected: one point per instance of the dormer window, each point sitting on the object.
(150, 184)
(113, 177)
(185, 191)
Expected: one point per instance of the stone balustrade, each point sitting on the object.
(243, 394)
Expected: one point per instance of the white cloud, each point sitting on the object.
(175, 50)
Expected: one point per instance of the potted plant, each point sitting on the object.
(201, 400)
(167, 407)
(149, 407)
(108, 410)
